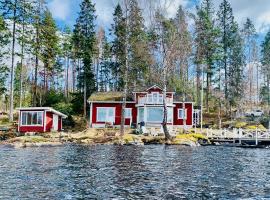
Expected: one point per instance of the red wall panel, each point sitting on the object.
(189, 108)
(118, 110)
(49, 121)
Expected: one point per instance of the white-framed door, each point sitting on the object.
(55, 122)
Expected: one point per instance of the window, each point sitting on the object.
(128, 114)
(105, 114)
(140, 115)
(155, 114)
(182, 114)
(150, 98)
(33, 118)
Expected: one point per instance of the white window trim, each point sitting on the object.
(34, 125)
(178, 112)
(106, 113)
(130, 116)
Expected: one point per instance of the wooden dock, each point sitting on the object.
(239, 136)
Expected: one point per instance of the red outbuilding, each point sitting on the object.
(144, 106)
(39, 119)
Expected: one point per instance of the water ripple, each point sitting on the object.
(134, 172)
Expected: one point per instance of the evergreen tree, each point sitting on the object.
(66, 48)
(4, 40)
(10, 10)
(249, 33)
(206, 44)
(235, 70)
(105, 67)
(24, 31)
(265, 60)
(38, 8)
(86, 34)
(119, 31)
(49, 42)
(226, 25)
(140, 58)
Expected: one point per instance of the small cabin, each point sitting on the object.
(144, 106)
(39, 119)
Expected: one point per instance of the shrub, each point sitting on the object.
(65, 108)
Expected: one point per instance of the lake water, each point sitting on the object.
(134, 172)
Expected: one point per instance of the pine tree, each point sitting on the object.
(10, 11)
(140, 58)
(118, 30)
(86, 31)
(184, 51)
(226, 25)
(38, 8)
(265, 60)
(249, 33)
(206, 44)
(105, 66)
(4, 40)
(66, 50)
(235, 69)
(24, 30)
(49, 42)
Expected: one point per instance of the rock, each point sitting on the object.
(18, 145)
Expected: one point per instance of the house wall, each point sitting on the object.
(49, 121)
(118, 110)
(189, 119)
(59, 123)
(24, 129)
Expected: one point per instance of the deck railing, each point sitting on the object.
(145, 100)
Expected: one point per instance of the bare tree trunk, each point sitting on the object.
(165, 115)
(12, 65)
(84, 97)
(122, 127)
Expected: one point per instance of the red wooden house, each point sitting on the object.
(144, 106)
(39, 119)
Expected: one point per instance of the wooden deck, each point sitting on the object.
(239, 136)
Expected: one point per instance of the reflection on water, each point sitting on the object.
(134, 172)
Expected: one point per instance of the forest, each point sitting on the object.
(203, 55)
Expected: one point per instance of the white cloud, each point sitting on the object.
(60, 9)
(256, 10)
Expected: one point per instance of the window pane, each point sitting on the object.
(155, 96)
(127, 112)
(34, 118)
(155, 114)
(110, 115)
(170, 114)
(101, 114)
(182, 114)
(141, 115)
(29, 118)
(24, 118)
(39, 118)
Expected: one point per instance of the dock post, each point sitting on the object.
(256, 137)
(240, 135)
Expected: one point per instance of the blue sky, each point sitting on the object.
(65, 11)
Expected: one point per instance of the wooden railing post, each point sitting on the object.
(256, 136)
(240, 135)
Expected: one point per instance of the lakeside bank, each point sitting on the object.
(101, 136)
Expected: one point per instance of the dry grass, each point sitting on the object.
(106, 96)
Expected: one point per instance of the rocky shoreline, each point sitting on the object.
(100, 136)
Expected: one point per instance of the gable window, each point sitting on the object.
(128, 114)
(182, 114)
(31, 118)
(105, 114)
